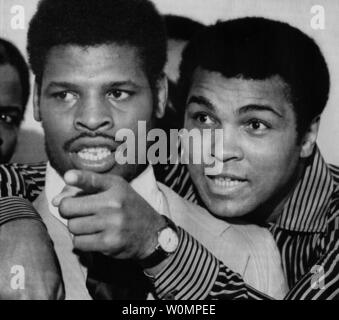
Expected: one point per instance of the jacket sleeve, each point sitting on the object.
(195, 274)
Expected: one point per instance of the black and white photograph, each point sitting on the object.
(157, 152)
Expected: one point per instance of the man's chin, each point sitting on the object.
(226, 209)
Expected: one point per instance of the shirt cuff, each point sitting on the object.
(191, 273)
(12, 208)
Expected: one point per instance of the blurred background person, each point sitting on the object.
(14, 93)
(179, 31)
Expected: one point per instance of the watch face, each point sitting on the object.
(168, 240)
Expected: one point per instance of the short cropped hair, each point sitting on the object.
(10, 54)
(258, 48)
(136, 23)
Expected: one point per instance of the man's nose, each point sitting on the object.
(227, 145)
(93, 115)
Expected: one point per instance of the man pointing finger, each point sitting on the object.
(108, 216)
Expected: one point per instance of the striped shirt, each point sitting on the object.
(306, 232)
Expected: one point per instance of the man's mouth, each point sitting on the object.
(99, 159)
(94, 154)
(226, 185)
(226, 182)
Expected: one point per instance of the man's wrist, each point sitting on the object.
(189, 274)
(165, 244)
(154, 272)
(150, 245)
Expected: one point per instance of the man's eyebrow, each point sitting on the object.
(112, 84)
(10, 109)
(259, 107)
(61, 85)
(115, 84)
(202, 101)
(64, 84)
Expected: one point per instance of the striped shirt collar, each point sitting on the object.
(306, 209)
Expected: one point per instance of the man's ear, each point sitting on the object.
(162, 91)
(36, 102)
(309, 139)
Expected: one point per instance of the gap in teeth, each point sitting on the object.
(94, 154)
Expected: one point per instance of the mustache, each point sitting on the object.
(67, 145)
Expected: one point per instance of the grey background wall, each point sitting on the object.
(15, 15)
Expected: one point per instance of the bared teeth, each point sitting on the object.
(94, 154)
(226, 182)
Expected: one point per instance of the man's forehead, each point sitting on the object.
(97, 53)
(93, 62)
(8, 73)
(240, 96)
(10, 86)
(216, 84)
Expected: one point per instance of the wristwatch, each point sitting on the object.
(168, 241)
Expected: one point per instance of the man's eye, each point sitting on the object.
(203, 118)
(8, 119)
(257, 125)
(119, 94)
(65, 96)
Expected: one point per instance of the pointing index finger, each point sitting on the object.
(89, 182)
(68, 191)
